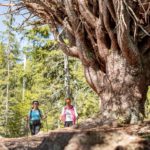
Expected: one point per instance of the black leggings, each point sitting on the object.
(68, 123)
(35, 129)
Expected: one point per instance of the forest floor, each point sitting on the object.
(88, 137)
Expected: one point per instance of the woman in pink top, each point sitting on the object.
(69, 114)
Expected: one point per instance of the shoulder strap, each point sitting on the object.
(40, 113)
(30, 113)
(72, 107)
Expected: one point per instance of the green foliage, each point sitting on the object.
(44, 81)
(147, 104)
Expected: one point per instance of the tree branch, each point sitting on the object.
(93, 76)
(8, 5)
(145, 31)
(110, 7)
(101, 36)
(101, 40)
(127, 46)
(107, 23)
(70, 51)
(87, 15)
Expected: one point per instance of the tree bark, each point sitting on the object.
(111, 38)
(122, 89)
(124, 92)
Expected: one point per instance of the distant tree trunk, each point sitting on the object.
(8, 65)
(24, 80)
(7, 92)
(67, 76)
(111, 38)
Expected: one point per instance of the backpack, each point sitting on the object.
(36, 122)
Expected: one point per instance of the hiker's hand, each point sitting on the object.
(44, 117)
(27, 118)
(27, 126)
(60, 119)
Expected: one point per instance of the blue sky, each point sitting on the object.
(18, 21)
(2, 10)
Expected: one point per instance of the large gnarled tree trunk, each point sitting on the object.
(111, 38)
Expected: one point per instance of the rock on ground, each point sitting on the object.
(98, 138)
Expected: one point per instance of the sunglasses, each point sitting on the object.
(36, 103)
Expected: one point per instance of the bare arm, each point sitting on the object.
(75, 111)
(61, 116)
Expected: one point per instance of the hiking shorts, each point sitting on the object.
(68, 123)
